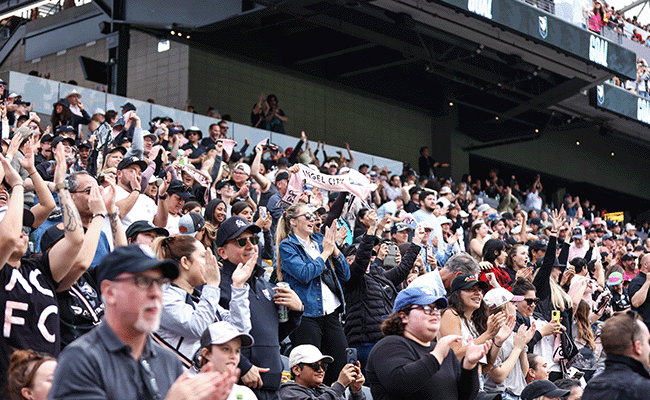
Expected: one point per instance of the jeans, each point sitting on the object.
(363, 351)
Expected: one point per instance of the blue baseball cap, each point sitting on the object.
(419, 296)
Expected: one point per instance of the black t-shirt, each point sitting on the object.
(208, 143)
(80, 309)
(196, 152)
(30, 308)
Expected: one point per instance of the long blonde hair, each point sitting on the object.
(282, 232)
(560, 299)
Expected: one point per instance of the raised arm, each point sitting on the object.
(91, 239)
(11, 225)
(351, 161)
(46, 201)
(68, 247)
(265, 183)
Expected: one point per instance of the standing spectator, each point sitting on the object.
(638, 290)
(275, 118)
(315, 268)
(407, 363)
(194, 150)
(119, 359)
(620, 296)
(259, 111)
(596, 17)
(534, 196)
(260, 365)
(427, 165)
(625, 340)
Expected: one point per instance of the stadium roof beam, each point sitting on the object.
(632, 5)
(378, 67)
(337, 53)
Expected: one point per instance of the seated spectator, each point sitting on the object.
(407, 363)
(221, 345)
(537, 368)
(30, 375)
(308, 367)
(543, 389)
(625, 340)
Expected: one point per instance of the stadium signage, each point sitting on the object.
(481, 7)
(547, 29)
(598, 50)
(620, 101)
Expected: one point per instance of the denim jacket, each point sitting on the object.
(302, 273)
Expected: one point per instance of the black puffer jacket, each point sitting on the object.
(624, 378)
(370, 296)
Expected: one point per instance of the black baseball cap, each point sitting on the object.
(134, 258)
(128, 107)
(121, 149)
(467, 281)
(85, 144)
(223, 182)
(233, 227)
(179, 188)
(628, 256)
(60, 139)
(508, 216)
(541, 388)
(539, 245)
(64, 129)
(47, 138)
(127, 161)
(281, 175)
(51, 235)
(144, 226)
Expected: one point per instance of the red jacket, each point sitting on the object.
(502, 277)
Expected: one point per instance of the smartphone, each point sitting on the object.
(389, 260)
(262, 211)
(555, 316)
(351, 355)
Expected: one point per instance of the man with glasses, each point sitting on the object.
(625, 339)
(308, 368)
(260, 365)
(638, 290)
(119, 359)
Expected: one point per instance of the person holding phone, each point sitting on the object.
(308, 368)
(315, 268)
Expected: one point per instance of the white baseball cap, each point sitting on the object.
(495, 298)
(222, 332)
(307, 353)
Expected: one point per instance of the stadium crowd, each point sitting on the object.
(147, 260)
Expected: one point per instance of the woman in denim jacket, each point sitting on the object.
(314, 268)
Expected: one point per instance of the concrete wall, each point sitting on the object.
(557, 153)
(324, 113)
(162, 77)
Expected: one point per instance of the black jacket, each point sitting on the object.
(267, 331)
(370, 296)
(624, 378)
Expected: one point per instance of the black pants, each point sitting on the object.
(327, 334)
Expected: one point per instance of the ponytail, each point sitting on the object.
(282, 232)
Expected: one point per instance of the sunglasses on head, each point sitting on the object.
(317, 366)
(241, 242)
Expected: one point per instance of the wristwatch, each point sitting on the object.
(163, 197)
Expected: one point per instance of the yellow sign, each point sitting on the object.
(615, 216)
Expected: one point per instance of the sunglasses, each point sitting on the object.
(308, 216)
(530, 302)
(317, 366)
(241, 242)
